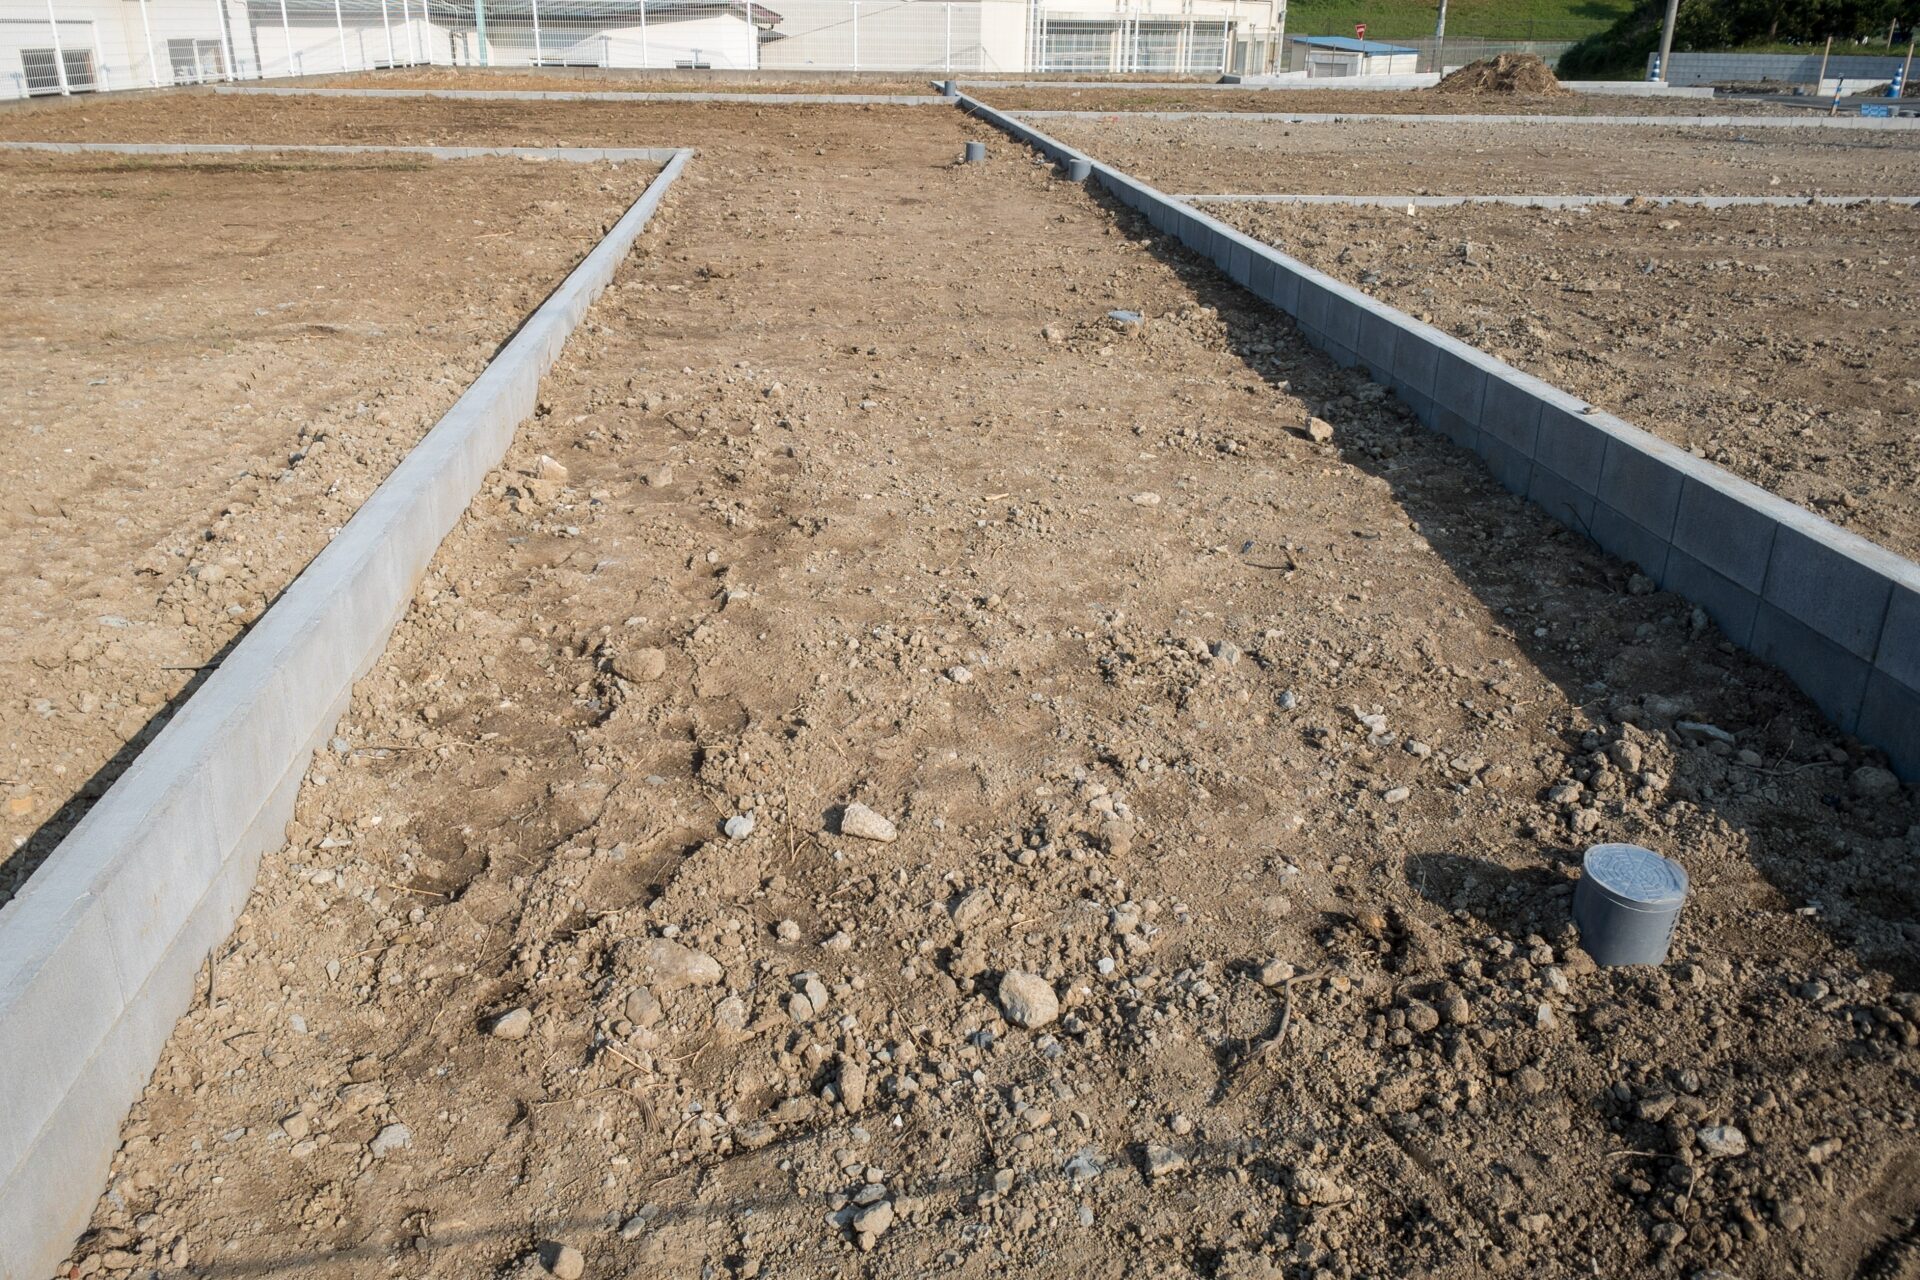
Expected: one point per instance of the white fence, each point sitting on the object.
(50, 47)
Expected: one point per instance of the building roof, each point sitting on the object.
(1347, 44)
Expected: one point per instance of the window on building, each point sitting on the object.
(43, 74)
(196, 61)
(1079, 46)
(1157, 48)
(1207, 50)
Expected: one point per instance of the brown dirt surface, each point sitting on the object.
(558, 80)
(1412, 102)
(211, 362)
(867, 499)
(1382, 158)
(1503, 75)
(1779, 343)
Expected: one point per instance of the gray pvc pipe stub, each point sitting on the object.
(1627, 903)
(976, 152)
(1079, 170)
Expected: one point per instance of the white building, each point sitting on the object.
(78, 46)
(1323, 57)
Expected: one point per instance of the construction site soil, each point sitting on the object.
(1412, 102)
(1388, 158)
(210, 363)
(1779, 343)
(932, 777)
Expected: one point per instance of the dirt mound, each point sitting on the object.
(1518, 73)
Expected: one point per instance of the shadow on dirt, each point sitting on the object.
(1588, 627)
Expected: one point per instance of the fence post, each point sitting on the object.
(387, 23)
(643, 33)
(286, 35)
(480, 29)
(947, 62)
(153, 58)
(537, 61)
(856, 35)
(413, 32)
(752, 38)
(226, 37)
(59, 56)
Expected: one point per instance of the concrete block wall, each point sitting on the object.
(1838, 614)
(1789, 68)
(100, 950)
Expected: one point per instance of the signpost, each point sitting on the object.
(1359, 31)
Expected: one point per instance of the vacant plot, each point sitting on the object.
(562, 81)
(210, 363)
(1779, 343)
(1265, 763)
(1459, 159)
(1414, 102)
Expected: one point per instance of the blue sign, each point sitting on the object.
(1883, 112)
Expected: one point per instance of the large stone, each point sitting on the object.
(669, 965)
(864, 824)
(1028, 1000)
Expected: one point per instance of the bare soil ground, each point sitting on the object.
(868, 501)
(1416, 102)
(1779, 343)
(210, 363)
(561, 81)
(1457, 159)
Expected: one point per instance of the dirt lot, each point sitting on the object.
(1459, 159)
(210, 364)
(1417, 102)
(868, 501)
(1779, 343)
(560, 81)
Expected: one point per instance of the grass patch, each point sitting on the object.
(1488, 19)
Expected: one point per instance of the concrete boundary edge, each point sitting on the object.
(100, 950)
(1552, 202)
(1838, 614)
(592, 95)
(578, 155)
(1374, 117)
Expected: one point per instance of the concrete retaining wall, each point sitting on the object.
(1714, 68)
(1558, 202)
(609, 95)
(1742, 123)
(99, 950)
(1838, 614)
(581, 155)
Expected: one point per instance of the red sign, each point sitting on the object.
(1359, 31)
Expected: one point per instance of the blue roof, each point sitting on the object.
(1347, 44)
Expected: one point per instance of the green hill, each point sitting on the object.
(1494, 19)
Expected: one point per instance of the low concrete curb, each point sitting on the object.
(1554, 202)
(1366, 117)
(578, 155)
(99, 950)
(595, 95)
(1839, 614)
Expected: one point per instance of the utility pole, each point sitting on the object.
(1666, 41)
(1440, 27)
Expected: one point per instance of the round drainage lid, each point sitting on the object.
(1635, 875)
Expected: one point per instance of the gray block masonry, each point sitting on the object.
(593, 95)
(580, 155)
(1838, 614)
(1789, 68)
(1810, 120)
(99, 950)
